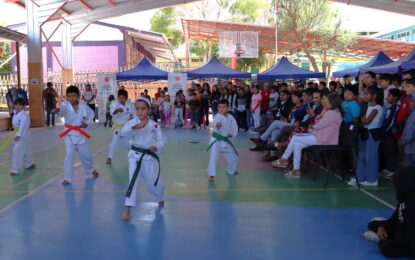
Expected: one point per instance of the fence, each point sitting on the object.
(81, 78)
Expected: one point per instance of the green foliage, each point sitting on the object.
(321, 23)
(164, 21)
(204, 49)
(5, 54)
(247, 11)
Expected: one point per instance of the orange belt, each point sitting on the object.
(74, 128)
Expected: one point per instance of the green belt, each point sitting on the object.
(219, 137)
(138, 167)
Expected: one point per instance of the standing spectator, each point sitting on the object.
(385, 82)
(397, 81)
(50, 98)
(214, 100)
(389, 149)
(157, 95)
(347, 81)
(194, 105)
(273, 99)
(368, 158)
(108, 116)
(256, 101)
(265, 94)
(249, 118)
(146, 95)
(204, 104)
(351, 109)
(322, 86)
(89, 97)
(408, 136)
(241, 108)
(179, 103)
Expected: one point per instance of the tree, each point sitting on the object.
(249, 11)
(164, 21)
(316, 26)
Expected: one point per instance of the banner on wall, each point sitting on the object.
(176, 82)
(106, 85)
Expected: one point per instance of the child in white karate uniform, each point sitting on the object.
(77, 117)
(121, 111)
(20, 155)
(146, 141)
(224, 127)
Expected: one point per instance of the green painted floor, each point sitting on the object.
(184, 162)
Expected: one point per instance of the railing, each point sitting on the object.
(82, 78)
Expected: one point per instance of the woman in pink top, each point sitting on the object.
(256, 106)
(325, 132)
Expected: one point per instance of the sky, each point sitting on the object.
(355, 18)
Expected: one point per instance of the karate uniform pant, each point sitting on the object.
(230, 156)
(20, 155)
(117, 140)
(85, 156)
(148, 173)
(296, 146)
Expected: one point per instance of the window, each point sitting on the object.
(404, 36)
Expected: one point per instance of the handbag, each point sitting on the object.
(377, 134)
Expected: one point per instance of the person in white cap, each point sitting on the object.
(146, 142)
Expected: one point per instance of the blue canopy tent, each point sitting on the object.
(380, 59)
(284, 69)
(394, 67)
(408, 65)
(143, 71)
(216, 69)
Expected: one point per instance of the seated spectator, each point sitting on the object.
(272, 131)
(396, 235)
(351, 109)
(325, 132)
(284, 105)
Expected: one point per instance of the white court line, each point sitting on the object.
(370, 194)
(33, 192)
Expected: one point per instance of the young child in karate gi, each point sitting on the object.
(20, 155)
(224, 127)
(146, 141)
(77, 117)
(121, 111)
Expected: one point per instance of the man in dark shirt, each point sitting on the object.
(50, 98)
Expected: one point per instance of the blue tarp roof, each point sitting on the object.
(143, 71)
(380, 59)
(216, 69)
(394, 67)
(284, 69)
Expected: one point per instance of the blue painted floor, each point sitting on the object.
(238, 218)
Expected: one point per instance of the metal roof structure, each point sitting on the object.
(80, 13)
(155, 43)
(364, 46)
(406, 7)
(10, 35)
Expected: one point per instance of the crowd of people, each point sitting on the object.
(380, 105)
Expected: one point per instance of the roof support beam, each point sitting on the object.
(86, 5)
(395, 6)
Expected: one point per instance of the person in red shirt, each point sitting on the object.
(403, 112)
(265, 93)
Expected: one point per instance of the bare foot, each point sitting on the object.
(211, 179)
(126, 214)
(65, 182)
(109, 161)
(31, 166)
(161, 203)
(95, 174)
(13, 174)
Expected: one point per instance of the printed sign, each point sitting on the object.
(106, 85)
(176, 82)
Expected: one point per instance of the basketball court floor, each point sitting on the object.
(258, 214)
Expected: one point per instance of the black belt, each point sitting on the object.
(138, 167)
